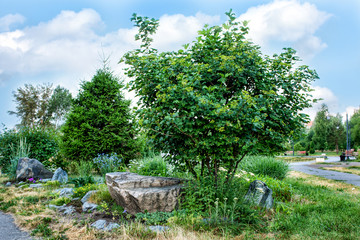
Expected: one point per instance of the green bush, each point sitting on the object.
(43, 144)
(151, 166)
(263, 165)
(84, 168)
(100, 121)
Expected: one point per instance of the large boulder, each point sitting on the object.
(31, 168)
(259, 194)
(136, 193)
(60, 175)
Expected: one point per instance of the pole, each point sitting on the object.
(347, 138)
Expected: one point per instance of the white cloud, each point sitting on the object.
(68, 48)
(287, 21)
(10, 19)
(328, 98)
(176, 30)
(349, 111)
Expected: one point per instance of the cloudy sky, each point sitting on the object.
(63, 42)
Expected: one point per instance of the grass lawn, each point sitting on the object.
(318, 209)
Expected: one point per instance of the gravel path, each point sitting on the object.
(9, 231)
(306, 167)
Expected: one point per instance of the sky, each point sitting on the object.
(64, 42)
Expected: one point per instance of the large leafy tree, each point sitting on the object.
(100, 120)
(219, 98)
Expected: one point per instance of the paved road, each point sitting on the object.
(9, 231)
(305, 167)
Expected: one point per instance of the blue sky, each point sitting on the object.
(61, 42)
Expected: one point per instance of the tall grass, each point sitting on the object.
(264, 165)
(20, 151)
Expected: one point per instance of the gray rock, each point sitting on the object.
(111, 226)
(8, 184)
(104, 225)
(99, 224)
(38, 185)
(136, 193)
(89, 207)
(66, 210)
(60, 175)
(65, 192)
(31, 168)
(158, 228)
(259, 194)
(87, 196)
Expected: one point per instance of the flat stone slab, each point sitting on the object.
(136, 193)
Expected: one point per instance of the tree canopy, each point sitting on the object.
(355, 128)
(40, 105)
(219, 98)
(100, 121)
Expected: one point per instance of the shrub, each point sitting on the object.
(84, 168)
(151, 166)
(43, 142)
(108, 163)
(60, 201)
(82, 181)
(263, 165)
(100, 120)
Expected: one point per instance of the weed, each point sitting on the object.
(82, 181)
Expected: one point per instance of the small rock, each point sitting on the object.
(38, 185)
(111, 226)
(158, 228)
(259, 194)
(99, 224)
(88, 195)
(60, 175)
(89, 207)
(8, 184)
(65, 192)
(64, 209)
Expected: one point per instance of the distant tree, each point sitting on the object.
(355, 128)
(321, 128)
(99, 121)
(59, 104)
(336, 133)
(31, 104)
(218, 99)
(40, 105)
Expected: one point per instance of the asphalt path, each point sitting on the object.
(306, 167)
(9, 231)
